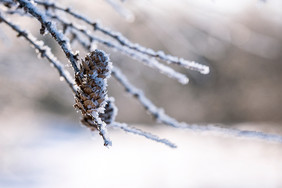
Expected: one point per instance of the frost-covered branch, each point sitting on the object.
(123, 126)
(43, 50)
(150, 136)
(150, 52)
(162, 117)
(125, 42)
(51, 27)
(153, 63)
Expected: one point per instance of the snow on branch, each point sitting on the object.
(159, 54)
(125, 42)
(150, 136)
(151, 62)
(162, 117)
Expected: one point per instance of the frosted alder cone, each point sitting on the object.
(92, 97)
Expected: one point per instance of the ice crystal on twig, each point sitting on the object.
(150, 136)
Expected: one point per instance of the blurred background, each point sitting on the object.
(43, 145)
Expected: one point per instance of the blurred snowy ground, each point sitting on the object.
(43, 153)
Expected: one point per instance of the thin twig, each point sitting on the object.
(43, 50)
(125, 42)
(153, 63)
(124, 126)
(162, 117)
(115, 124)
(51, 27)
(150, 136)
